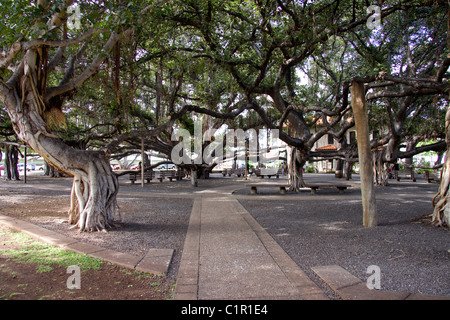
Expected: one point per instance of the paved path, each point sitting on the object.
(228, 255)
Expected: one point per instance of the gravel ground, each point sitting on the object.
(161, 224)
(326, 229)
(323, 229)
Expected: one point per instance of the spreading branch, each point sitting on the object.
(90, 70)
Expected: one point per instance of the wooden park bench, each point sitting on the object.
(238, 172)
(170, 174)
(148, 175)
(254, 187)
(180, 174)
(314, 187)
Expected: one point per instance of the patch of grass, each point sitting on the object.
(45, 255)
(172, 291)
(43, 268)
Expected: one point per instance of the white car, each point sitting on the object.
(166, 166)
(30, 167)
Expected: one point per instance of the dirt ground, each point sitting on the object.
(21, 281)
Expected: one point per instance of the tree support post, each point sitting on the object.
(142, 162)
(25, 166)
(370, 216)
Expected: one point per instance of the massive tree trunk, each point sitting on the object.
(94, 190)
(348, 169)
(295, 165)
(380, 170)
(93, 200)
(11, 162)
(298, 129)
(50, 171)
(441, 212)
(441, 201)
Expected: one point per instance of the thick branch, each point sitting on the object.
(407, 92)
(442, 70)
(438, 147)
(294, 142)
(6, 60)
(110, 147)
(90, 70)
(59, 43)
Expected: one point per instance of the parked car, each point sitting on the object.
(29, 167)
(2, 167)
(134, 167)
(166, 166)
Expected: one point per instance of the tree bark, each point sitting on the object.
(441, 212)
(370, 216)
(8, 162)
(380, 171)
(194, 182)
(51, 171)
(339, 169)
(11, 162)
(348, 168)
(295, 165)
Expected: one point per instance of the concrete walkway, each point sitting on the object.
(228, 255)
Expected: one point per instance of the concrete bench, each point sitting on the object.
(314, 187)
(148, 175)
(254, 187)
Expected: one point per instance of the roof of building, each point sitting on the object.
(329, 147)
